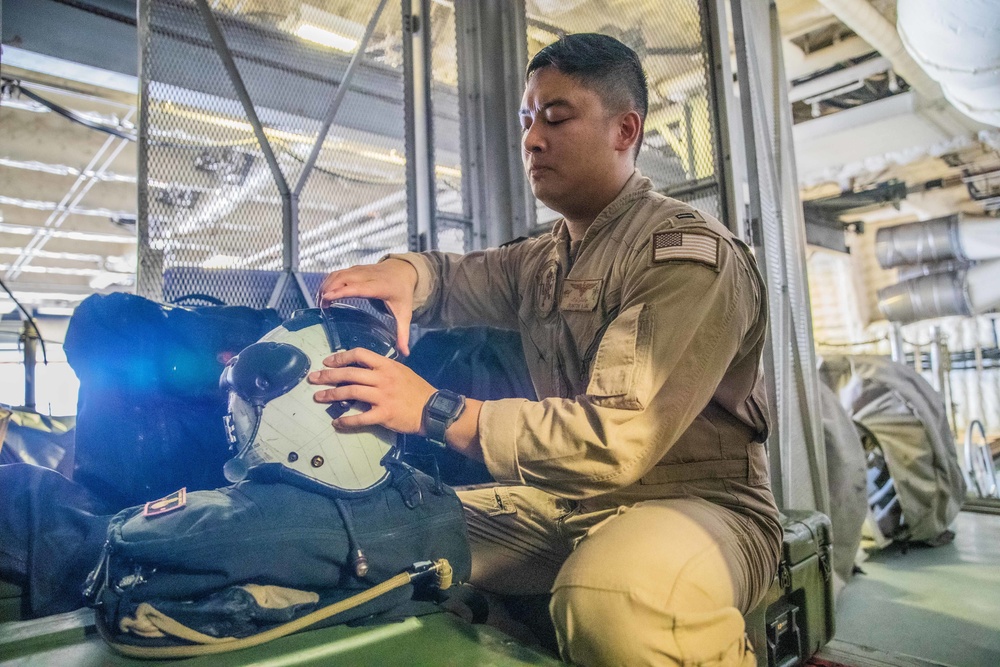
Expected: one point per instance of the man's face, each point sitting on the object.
(568, 141)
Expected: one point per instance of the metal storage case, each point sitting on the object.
(796, 617)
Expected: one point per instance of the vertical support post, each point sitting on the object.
(29, 339)
(752, 231)
(937, 373)
(896, 351)
(492, 56)
(730, 164)
(419, 124)
(149, 269)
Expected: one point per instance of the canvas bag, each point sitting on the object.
(908, 418)
(236, 563)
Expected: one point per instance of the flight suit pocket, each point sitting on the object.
(757, 464)
(620, 376)
(504, 503)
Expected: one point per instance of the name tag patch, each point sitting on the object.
(580, 295)
(687, 246)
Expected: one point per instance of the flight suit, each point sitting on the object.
(636, 489)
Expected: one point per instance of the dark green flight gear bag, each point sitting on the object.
(201, 567)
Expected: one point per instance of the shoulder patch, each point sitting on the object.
(672, 246)
(174, 501)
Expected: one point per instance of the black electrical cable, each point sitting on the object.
(31, 320)
(66, 113)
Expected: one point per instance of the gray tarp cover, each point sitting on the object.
(845, 465)
(907, 417)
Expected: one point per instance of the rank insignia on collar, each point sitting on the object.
(174, 501)
(685, 246)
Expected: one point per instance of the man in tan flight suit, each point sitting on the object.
(636, 489)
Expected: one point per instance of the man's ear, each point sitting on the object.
(629, 130)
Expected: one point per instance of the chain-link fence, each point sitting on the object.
(273, 142)
(678, 152)
(229, 209)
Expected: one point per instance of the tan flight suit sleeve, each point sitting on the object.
(478, 288)
(680, 325)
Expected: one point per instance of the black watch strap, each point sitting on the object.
(440, 412)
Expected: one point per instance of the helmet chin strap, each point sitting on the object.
(333, 337)
(235, 469)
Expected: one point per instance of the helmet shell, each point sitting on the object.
(274, 419)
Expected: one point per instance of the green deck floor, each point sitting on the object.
(939, 605)
(428, 641)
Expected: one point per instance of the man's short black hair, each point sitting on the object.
(602, 63)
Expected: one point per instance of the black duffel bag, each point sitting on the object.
(149, 416)
(214, 571)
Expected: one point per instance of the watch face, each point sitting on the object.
(445, 404)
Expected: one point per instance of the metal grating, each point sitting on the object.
(213, 202)
(801, 480)
(678, 152)
(454, 217)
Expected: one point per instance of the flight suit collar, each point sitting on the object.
(635, 187)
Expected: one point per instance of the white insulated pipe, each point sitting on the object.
(972, 291)
(956, 237)
(866, 21)
(957, 43)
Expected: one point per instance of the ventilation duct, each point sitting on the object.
(966, 292)
(956, 237)
(957, 42)
(969, 290)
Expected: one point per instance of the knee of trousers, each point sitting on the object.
(610, 627)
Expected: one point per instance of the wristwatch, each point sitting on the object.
(440, 412)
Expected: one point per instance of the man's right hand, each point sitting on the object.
(392, 281)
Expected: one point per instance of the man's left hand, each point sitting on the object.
(395, 393)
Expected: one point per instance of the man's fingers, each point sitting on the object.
(345, 375)
(354, 356)
(367, 418)
(350, 392)
(403, 331)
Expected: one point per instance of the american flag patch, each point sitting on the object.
(671, 246)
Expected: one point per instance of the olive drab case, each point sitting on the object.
(210, 571)
(796, 617)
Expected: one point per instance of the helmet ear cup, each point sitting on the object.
(265, 370)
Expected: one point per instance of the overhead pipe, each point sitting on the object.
(870, 25)
(967, 292)
(958, 237)
(957, 43)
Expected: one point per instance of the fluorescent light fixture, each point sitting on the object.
(326, 28)
(25, 230)
(222, 262)
(316, 34)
